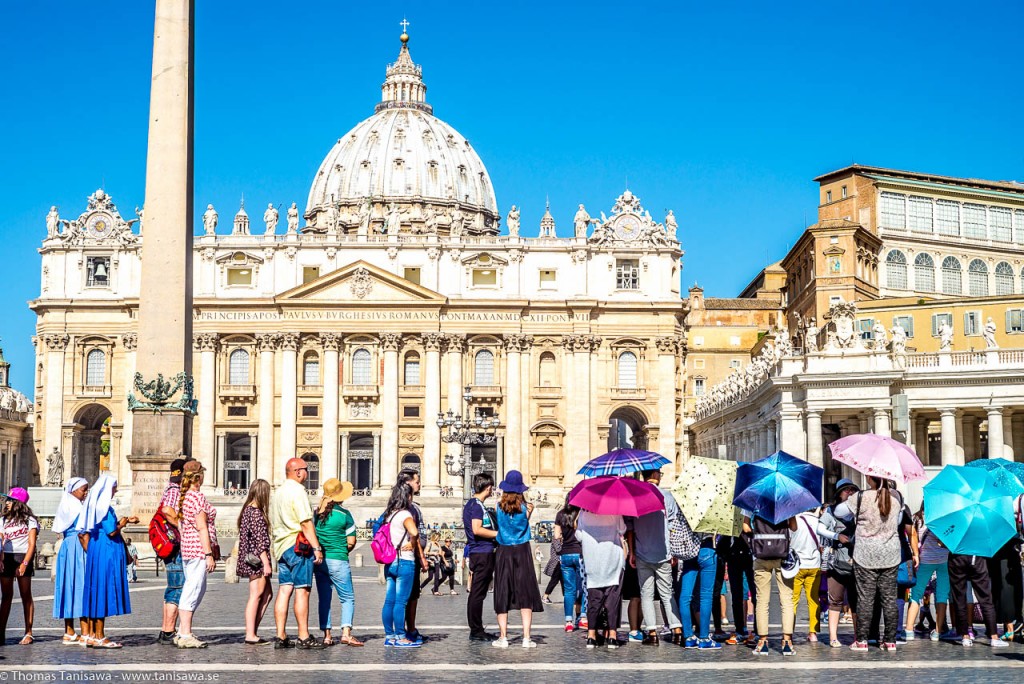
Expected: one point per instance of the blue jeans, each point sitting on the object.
(338, 574)
(400, 576)
(702, 568)
(572, 586)
(175, 579)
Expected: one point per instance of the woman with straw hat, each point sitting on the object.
(336, 530)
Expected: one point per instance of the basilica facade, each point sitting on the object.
(340, 333)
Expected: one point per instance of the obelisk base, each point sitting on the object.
(157, 439)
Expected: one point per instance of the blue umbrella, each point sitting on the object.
(778, 487)
(624, 462)
(969, 511)
(1007, 474)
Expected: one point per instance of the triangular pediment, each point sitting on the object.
(361, 282)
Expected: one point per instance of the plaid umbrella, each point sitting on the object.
(623, 462)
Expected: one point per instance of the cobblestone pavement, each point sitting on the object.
(448, 655)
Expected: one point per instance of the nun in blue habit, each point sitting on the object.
(69, 583)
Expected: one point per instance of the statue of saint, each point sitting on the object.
(670, 224)
(811, 336)
(899, 339)
(293, 218)
(394, 220)
(270, 217)
(881, 335)
(54, 469)
(364, 217)
(457, 219)
(580, 222)
(989, 333)
(513, 221)
(52, 223)
(210, 220)
(945, 336)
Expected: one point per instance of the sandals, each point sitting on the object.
(328, 641)
(259, 642)
(104, 643)
(454, 593)
(26, 640)
(437, 593)
(71, 640)
(835, 643)
(350, 641)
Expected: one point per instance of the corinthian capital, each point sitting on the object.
(56, 342)
(204, 342)
(513, 342)
(432, 341)
(289, 341)
(266, 342)
(667, 345)
(130, 341)
(455, 342)
(391, 341)
(330, 341)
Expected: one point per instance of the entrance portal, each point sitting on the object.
(627, 429)
(90, 445)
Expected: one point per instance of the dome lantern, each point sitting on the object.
(403, 83)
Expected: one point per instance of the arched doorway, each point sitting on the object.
(312, 470)
(627, 429)
(411, 462)
(90, 444)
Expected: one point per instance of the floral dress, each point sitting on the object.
(252, 539)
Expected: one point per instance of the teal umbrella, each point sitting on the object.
(1009, 474)
(969, 511)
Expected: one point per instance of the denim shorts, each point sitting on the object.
(175, 580)
(295, 570)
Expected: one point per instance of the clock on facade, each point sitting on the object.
(627, 227)
(100, 225)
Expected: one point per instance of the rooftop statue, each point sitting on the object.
(293, 219)
(210, 220)
(270, 218)
(513, 221)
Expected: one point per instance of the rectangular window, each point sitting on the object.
(1014, 321)
(484, 277)
(239, 277)
(893, 211)
(975, 221)
(947, 217)
(1018, 226)
(698, 340)
(411, 411)
(920, 216)
(1000, 224)
(310, 410)
(412, 274)
(843, 191)
(547, 279)
(835, 299)
(972, 323)
(907, 322)
(937, 321)
(828, 196)
(310, 273)
(238, 411)
(698, 387)
(735, 363)
(98, 272)
(627, 274)
(698, 364)
(865, 326)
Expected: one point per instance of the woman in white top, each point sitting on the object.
(400, 574)
(18, 529)
(808, 578)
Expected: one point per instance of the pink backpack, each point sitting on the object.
(384, 551)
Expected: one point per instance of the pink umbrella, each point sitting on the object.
(609, 495)
(878, 456)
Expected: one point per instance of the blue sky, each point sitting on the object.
(724, 112)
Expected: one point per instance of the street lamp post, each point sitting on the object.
(474, 429)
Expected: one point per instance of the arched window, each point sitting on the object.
(952, 276)
(412, 369)
(311, 369)
(95, 368)
(1004, 278)
(977, 278)
(238, 367)
(313, 470)
(411, 462)
(547, 457)
(361, 367)
(483, 368)
(896, 270)
(547, 370)
(924, 273)
(627, 369)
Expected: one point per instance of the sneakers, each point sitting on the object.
(691, 642)
(999, 643)
(500, 642)
(583, 624)
(637, 636)
(762, 648)
(733, 639)
(166, 638)
(529, 643)
(569, 627)
(901, 637)
(591, 643)
(907, 636)
(190, 641)
(750, 639)
(787, 648)
(708, 645)
(967, 641)
(889, 646)
(651, 639)
(389, 640)
(859, 646)
(547, 600)
(933, 635)
(404, 643)
(949, 635)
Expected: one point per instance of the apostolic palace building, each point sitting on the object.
(341, 331)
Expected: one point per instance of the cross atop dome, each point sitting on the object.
(403, 84)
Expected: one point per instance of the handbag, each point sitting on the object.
(253, 561)
(303, 549)
(683, 542)
(215, 550)
(906, 576)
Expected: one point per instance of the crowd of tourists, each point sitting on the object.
(862, 558)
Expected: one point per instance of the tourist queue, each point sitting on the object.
(864, 552)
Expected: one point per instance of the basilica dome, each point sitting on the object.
(402, 161)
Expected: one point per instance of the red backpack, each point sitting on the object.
(164, 538)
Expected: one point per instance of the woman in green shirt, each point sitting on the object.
(336, 531)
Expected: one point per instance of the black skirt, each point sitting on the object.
(515, 584)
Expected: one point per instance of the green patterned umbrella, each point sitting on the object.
(704, 492)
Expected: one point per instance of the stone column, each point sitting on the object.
(762, 443)
(1008, 441)
(266, 343)
(668, 352)
(53, 401)
(793, 436)
(289, 399)
(220, 456)
(814, 452)
(130, 342)
(580, 426)
(206, 452)
(921, 439)
(771, 432)
(951, 453)
(431, 473)
(967, 436)
(995, 432)
(513, 414)
(526, 416)
(343, 466)
(377, 482)
(882, 424)
(329, 466)
(455, 345)
(390, 342)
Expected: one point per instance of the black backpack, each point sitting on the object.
(769, 542)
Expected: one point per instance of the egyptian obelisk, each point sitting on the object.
(162, 425)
